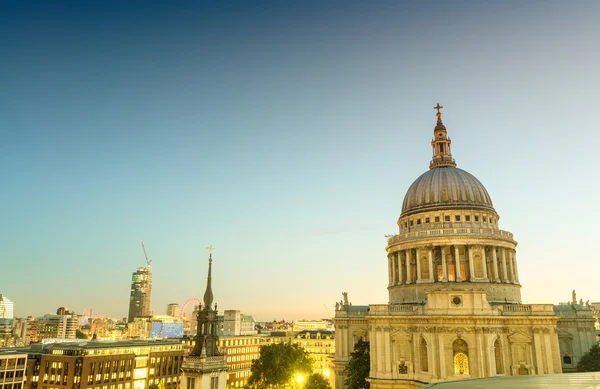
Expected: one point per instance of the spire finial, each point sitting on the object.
(208, 295)
(438, 114)
(210, 250)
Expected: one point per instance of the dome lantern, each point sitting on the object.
(442, 156)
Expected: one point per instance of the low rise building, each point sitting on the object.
(320, 345)
(240, 351)
(576, 332)
(313, 325)
(12, 369)
(133, 364)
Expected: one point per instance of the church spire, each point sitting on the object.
(206, 335)
(441, 144)
(208, 295)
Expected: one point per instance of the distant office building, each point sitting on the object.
(234, 323)
(12, 369)
(6, 316)
(240, 352)
(139, 328)
(173, 310)
(141, 291)
(320, 345)
(54, 326)
(21, 331)
(133, 364)
(166, 327)
(313, 325)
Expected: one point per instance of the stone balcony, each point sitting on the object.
(496, 310)
(451, 232)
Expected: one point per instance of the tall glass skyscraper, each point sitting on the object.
(6, 315)
(141, 290)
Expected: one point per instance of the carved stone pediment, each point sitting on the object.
(401, 336)
(519, 337)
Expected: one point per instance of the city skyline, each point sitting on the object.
(285, 136)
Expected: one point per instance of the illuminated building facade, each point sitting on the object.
(141, 291)
(320, 345)
(104, 365)
(6, 317)
(455, 307)
(12, 369)
(240, 351)
(54, 327)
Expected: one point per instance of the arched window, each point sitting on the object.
(461, 357)
(498, 357)
(423, 355)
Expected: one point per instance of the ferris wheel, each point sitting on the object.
(185, 305)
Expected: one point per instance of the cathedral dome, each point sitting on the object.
(446, 187)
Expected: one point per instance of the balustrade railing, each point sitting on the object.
(475, 231)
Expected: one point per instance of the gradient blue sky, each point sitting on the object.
(286, 136)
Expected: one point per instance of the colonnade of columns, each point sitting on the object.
(479, 263)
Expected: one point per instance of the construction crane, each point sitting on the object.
(148, 260)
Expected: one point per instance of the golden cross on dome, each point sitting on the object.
(438, 107)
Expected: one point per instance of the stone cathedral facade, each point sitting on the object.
(454, 308)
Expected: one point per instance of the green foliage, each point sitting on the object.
(80, 335)
(359, 365)
(317, 381)
(278, 365)
(590, 361)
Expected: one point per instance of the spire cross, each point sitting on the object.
(438, 107)
(210, 250)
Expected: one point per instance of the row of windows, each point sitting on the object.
(242, 350)
(11, 374)
(238, 342)
(9, 363)
(17, 385)
(447, 218)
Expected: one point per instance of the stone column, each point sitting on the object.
(408, 269)
(399, 264)
(457, 264)
(484, 262)
(511, 270)
(444, 267)
(516, 271)
(442, 356)
(418, 260)
(504, 273)
(430, 255)
(495, 264)
(471, 269)
(391, 270)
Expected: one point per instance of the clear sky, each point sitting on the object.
(286, 136)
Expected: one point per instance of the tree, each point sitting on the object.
(80, 334)
(317, 381)
(358, 367)
(278, 365)
(590, 361)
